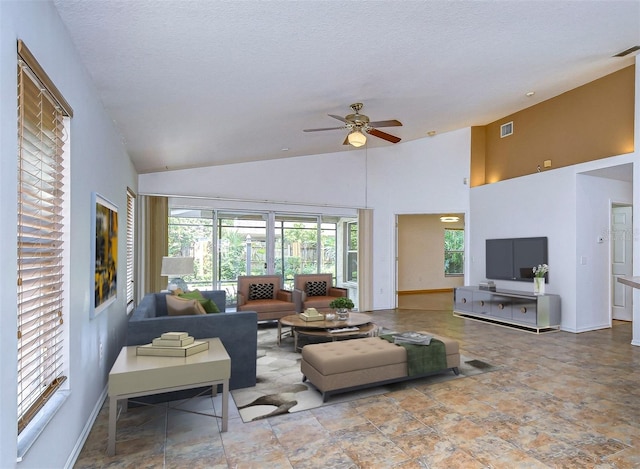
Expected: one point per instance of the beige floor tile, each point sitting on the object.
(560, 400)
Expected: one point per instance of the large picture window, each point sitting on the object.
(42, 116)
(453, 252)
(228, 244)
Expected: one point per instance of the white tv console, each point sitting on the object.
(511, 308)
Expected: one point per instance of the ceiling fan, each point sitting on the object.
(356, 123)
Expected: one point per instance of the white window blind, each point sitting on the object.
(40, 232)
(131, 219)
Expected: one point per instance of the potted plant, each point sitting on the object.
(342, 305)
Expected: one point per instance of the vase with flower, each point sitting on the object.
(539, 279)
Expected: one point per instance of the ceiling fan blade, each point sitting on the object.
(383, 135)
(389, 123)
(338, 117)
(326, 128)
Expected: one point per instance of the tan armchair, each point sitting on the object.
(315, 291)
(264, 295)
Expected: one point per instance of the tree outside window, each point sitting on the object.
(225, 245)
(453, 251)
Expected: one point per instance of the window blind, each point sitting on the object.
(131, 217)
(39, 244)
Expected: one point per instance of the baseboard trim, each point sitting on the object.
(73, 457)
(424, 292)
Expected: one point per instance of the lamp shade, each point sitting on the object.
(357, 138)
(176, 266)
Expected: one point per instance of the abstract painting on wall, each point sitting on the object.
(105, 253)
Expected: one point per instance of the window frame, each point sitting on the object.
(272, 227)
(453, 251)
(131, 250)
(350, 251)
(42, 257)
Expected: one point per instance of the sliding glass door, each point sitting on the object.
(257, 243)
(242, 249)
(304, 245)
(191, 235)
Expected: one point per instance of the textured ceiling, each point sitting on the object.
(204, 82)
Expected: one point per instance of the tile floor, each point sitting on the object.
(560, 400)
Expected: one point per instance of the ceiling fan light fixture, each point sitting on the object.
(357, 138)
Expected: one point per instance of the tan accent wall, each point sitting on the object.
(421, 253)
(478, 155)
(587, 123)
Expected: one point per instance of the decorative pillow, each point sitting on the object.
(177, 306)
(316, 288)
(261, 291)
(207, 303)
(192, 295)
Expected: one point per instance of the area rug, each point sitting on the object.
(280, 390)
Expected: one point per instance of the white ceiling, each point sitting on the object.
(202, 82)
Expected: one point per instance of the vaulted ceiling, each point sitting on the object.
(194, 83)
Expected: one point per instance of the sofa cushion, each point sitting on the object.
(177, 306)
(260, 291)
(316, 288)
(269, 305)
(319, 302)
(207, 303)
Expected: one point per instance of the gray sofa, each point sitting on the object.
(238, 331)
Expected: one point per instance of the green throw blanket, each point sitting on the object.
(422, 359)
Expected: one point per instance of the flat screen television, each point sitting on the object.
(514, 258)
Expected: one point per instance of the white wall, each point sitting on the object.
(423, 176)
(553, 204)
(541, 204)
(98, 163)
(335, 179)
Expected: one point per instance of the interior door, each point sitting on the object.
(621, 262)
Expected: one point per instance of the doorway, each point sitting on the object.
(621, 261)
(429, 259)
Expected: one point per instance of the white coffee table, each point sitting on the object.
(135, 376)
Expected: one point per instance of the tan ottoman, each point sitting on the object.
(347, 365)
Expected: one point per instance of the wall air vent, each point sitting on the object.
(506, 129)
(628, 51)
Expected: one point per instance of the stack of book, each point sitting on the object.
(311, 314)
(490, 285)
(173, 344)
(415, 338)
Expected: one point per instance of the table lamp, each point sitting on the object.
(175, 268)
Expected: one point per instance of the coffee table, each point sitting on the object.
(140, 375)
(322, 328)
